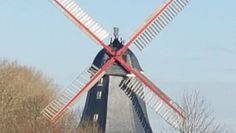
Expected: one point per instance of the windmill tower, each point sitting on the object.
(118, 90)
(108, 104)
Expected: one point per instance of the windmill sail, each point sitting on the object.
(157, 22)
(162, 104)
(105, 93)
(82, 20)
(80, 85)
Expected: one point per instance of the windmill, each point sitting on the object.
(118, 90)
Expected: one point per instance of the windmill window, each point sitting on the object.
(95, 117)
(127, 59)
(124, 57)
(99, 95)
(100, 82)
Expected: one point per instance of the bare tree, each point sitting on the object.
(24, 92)
(199, 118)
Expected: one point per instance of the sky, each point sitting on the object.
(196, 51)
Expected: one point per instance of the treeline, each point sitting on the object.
(24, 92)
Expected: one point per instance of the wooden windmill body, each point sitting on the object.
(108, 104)
(118, 90)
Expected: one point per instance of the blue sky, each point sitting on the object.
(196, 51)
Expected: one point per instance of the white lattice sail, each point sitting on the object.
(82, 19)
(157, 22)
(164, 106)
(72, 92)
